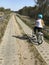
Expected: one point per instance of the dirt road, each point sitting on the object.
(14, 51)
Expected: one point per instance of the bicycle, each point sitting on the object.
(37, 38)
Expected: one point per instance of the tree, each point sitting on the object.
(43, 5)
(41, 2)
(1, 9)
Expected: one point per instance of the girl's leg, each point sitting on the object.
(35, 30)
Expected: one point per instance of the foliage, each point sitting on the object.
(43, 6)
(2, 9)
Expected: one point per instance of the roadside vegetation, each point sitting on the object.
(4, 18)
(27, 20)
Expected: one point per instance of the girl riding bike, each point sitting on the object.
(39, 24)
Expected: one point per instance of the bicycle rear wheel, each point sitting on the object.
(40, 39)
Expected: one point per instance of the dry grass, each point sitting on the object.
(27, 20)
(3, 25)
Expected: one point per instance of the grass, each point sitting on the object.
(27, 20)
(3, 25)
